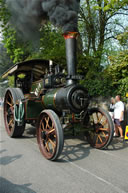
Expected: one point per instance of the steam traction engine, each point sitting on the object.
(45, 97)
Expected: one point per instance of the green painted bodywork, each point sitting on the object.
(49, 99)
(33, 109)
(34, 105)
(37, 87)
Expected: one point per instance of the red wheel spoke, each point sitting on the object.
(9, 112)
(10, 96)
(47, 122)
(42, 126)
(10, 122)
(53, 144)
(49, 135)
(97, 140)
(10, 104)
(12, 109)
(51, 131)
(47, 146)
(104, 123)
(103, 129)
(51, 127)
(104, 134)
(47, 129)
(100, 138)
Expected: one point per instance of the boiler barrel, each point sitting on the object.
(74, 98)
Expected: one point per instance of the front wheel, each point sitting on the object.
(100, 128)
(50, 136)
(12, 96)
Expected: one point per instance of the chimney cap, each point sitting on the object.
(70, 35)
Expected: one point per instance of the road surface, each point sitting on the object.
(80, 169)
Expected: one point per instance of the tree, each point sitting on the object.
(5, 61)
(123, 38)
(52, 45)
(49, 46)
(98, 23)
(99, 27)
(16, 47)
(118, 71)
(118, 68)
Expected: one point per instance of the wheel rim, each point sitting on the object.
(99, 128)
(9, 113)
(47, 136)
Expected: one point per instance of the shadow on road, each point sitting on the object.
(74, 152)
(8, 187)
(117, 144)
(2, 141)
(1, 151)
(30, 132)
(79, 150)
(9, 159)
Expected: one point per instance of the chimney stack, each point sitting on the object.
(71, 56)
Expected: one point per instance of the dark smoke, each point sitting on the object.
(62, 13)
(29, 15)
(26, 16)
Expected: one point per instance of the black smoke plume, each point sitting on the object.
(62, 13)
(26, 16)
(29, 15)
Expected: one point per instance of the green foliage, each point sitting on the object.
(109, 5)
(17, 49)
(5, 61)
(114, 4)
(4, 14)
(11, 81)
(52, 45)
(11, 44)
(99, 23)
(123, 38)
(118, 71)
(99, 85)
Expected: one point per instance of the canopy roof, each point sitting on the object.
(37, 66)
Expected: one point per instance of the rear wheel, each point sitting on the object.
(50, 135)
(100, 128)
(12, 95)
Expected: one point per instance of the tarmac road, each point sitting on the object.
(80, 169)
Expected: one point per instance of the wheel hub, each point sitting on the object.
(97, 127)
